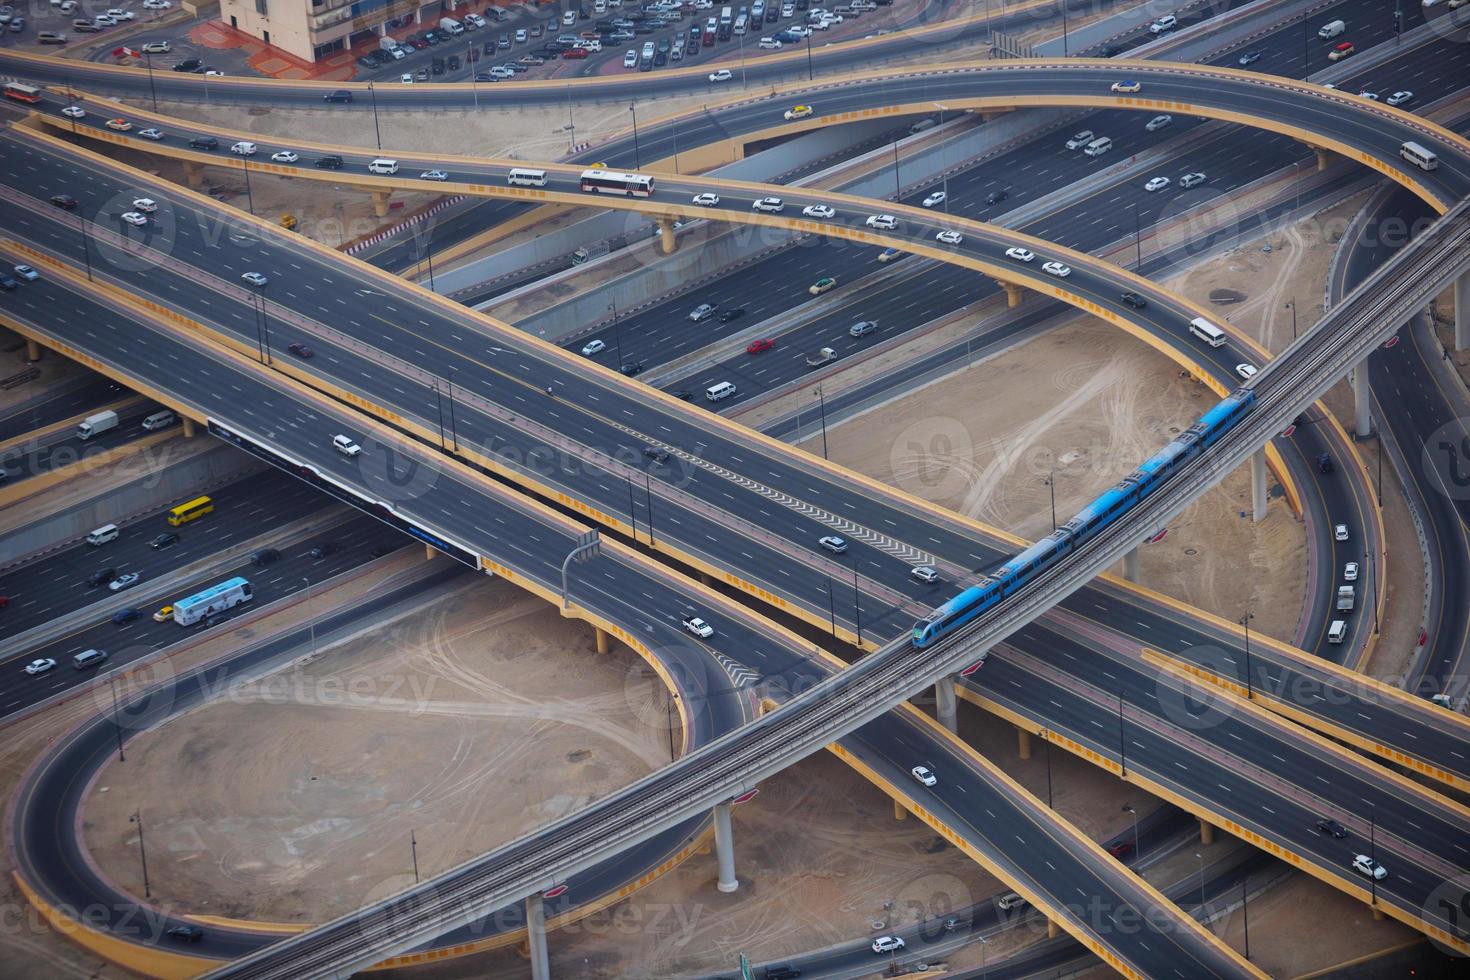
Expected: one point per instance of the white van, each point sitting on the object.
(383, 165)
(88, 658)
(1419, 156)
(1098, 146)
(523, 177)
(1207, 331)
(244, 148)
(1331, 29)
(719, 392)
(1337, 631)
(450, 26)
(159, 420)
(1010, 900)
(102, 535)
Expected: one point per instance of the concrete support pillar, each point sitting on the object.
(1462, 312)
(988, 114)
(603, 646)
(1023, 743)
(1130, 565)
(899, 813)
(1013, 293)
(667, 242)
(1206, 832)
(380, 203)
(944, 703)
(1258, 485)
(33, 351)
(194, 174)
(1324, 157)
(1052, 929)
(1377, 914)
(536, 938)
(1362, 403)
(429, 552)
(725, 849)
(188, 427)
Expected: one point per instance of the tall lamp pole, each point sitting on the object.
(1292, 307)
(1245, 622)
(148, 60)
(137, 818)
(1051, 485)
(1137, 850)
(378, 133)
(637, 154)
(117, 721)
(822, 404)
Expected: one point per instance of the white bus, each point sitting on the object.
(1207, 331)
(1419, 156)
(611, 182)
(526, 177)
(217, 598)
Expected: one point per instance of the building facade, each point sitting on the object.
(313, 29)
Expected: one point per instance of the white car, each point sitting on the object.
(1020, 254)
(702, 312)
(146, 205)
(924, 573)
(1127, 88)
(255, 278)
(935, 199)
(630, 60)
(151, 134)
(1192, 180)
(818, 211)
(405, 79)
(27, 273)
(157, 4)
(1369, 868)
(1370, 96)
(769, 43)
(134, 218)
(40, 666)
(882, 222)
(949, 238)
(887, 944)
(833, 544)
(346, 446)
(593, 347)
(1350, 572)
(771, 205)
(1246, 371)
(214, 73)
(924, 775)
(74, 112)
(699, 627)
(1156, 184)
(1339, 532)
(1057, 269)
(1158, 122)
(1399, 98)
(244, 148)
(723, 75)
(157, 47)
(1163, 24)
(284, 156)
(707, 200)
(123, 581)
(434, 175)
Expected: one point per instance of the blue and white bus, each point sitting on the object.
(217, 598)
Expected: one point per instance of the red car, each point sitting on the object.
(300, 350)
(1122, 848)
(571, 54)
(756, 346)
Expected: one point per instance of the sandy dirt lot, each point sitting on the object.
(467, 723)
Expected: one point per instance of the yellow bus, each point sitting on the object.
(186, 512)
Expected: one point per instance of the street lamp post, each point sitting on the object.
(311, 619)
(377, 133)
(1065, 53)
(1245, 915)
(1201, 858)
(571, 122)
(943, 170)
(857, 607)
(897, 186)
(249, 197)
(1292, 307)
(86, 251)
(137, 818)
(809, 74)
(1122, 748)
(453, 429)
(1051, 485)
(148, 60)
(637, 154)
(117, 721)
(1046, 736)
(822, 405)
(1137, 849)
(1245, 622)
(617, 334)
(413, 847)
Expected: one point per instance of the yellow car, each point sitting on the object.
(164, 614)
(798, 112)
(822, 285)
(121, 125)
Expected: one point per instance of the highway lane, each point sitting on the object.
(55, 585)
(629, 599)
(82, 395)
(884, 544)
(61, 449)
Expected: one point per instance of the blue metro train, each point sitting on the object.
(1106, 509)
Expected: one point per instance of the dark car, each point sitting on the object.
(683, 395)
(369, 60)
(417, 42)
(995, 197)
(657, 455)
(437, 66)
(65, 201)
(473, 54)
(265, 556)
(164, 540)
(189, 64)
(631, 368)
(432, 38)
(340, 95)
(1122, 848)
(124, 615)
(7, 283)
(454, 62)
(204, 143)
(17, 24)
(781, 971)
(186, 934)
(1324, 462)
(323, 550)
(214, 620)
(330, 163)
(734, 314)
(100, 576)
(484, 76)
(1249, 58)
(301, 350)
(1134, 300)
(1331, 828)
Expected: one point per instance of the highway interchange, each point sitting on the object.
(473, 423)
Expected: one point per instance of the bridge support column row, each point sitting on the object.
(667, 242)
(1206, 832)
(944, 704)
(1130, 565)
(1052, 929)
(725, 849)
(1013, 293)
(899, 813)
(380, 203)
(1258, 485)
(536, 938)
(603, 644)
(1324, 157)
(188, 428)
(193, 174)
(1462, 312)
(33, 351)
(1362, 401)
(1023, 743)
